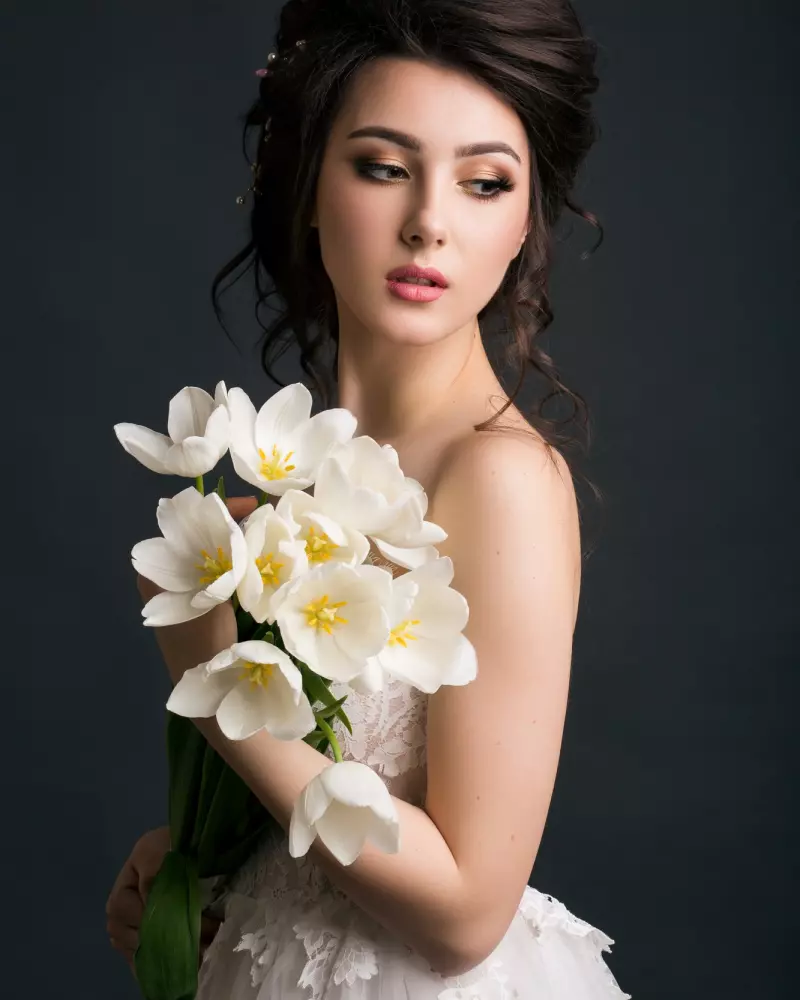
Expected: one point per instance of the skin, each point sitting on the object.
(410, 371)
(416, 376)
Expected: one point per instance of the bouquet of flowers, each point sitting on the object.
(311, 609)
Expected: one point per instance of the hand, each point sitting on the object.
(190, 643)
(128, 897)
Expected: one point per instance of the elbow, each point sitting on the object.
(458, 957)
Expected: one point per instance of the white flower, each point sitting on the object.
(426, 647)
(361, 486)
(344, 805)
(325, 539)
(334, 617)
(198, 435)
(199, 562)
(280, 447)
(274, 556)
(252, 685)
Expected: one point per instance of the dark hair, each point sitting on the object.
(532, 53)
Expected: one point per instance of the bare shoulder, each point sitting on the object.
(505, 472)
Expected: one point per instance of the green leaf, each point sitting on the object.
(213, 767)
(220, 490)
(185, 755)
(319, 692)
(333, 709)
(167, 959)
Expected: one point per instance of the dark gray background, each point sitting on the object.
(669, 828)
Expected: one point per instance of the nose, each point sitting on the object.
(425, 225)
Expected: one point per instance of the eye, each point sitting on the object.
(367, 168)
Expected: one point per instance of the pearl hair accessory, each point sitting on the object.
(272, 58)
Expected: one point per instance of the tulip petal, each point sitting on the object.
(316, 436)
(242, 427)
(343, 830)
(178, 520)
(156, 560)
(316, 798)
(189, 411)
(198, 694)
(385, 835)
(170, 609)
(281, 416)
(442, 611)
(301, 833)
(146, 446)
(193, 457)
(244, 710)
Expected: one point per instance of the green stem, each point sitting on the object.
(337, 752)
(200, 487)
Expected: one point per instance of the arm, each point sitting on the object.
(452, 889)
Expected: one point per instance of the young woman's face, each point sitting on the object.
(381, 205)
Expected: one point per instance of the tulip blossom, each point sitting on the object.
(198, 435)
(361, 486)
(343, 805)
(199, 562)
(253, 685)
(274, 556)
(281, 446)
(334, 617)
(324, 538)
(426, 647)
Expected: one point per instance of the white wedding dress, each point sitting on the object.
(290, 934)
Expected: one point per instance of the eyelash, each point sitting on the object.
(502, 184)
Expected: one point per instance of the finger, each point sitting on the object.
(128, 878)
(126, 908)
(240, 507)
(124, 939)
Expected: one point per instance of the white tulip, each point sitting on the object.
(280, 447)
(343, 805)
(426, 647)
(361, 486)
(274, 556)
(324, 538)
(334, 617)
(253, 685)
(199, 562)
(198, 427)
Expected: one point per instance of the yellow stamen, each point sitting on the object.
(269, 569)
(400, 634)
(319, 548)
(215, 568)
(272, 468)
(258, 674)
(322, 615)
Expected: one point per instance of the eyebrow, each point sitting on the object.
(411, 142)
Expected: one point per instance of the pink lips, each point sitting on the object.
(415, 293)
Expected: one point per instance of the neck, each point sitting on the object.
(399, 391)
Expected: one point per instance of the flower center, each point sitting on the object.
(319, 547)
(258, 674)
(269, 569)
(400, 634)
(321, 615)
(214, 568)
(272, 469)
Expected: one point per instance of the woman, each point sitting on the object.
(367, 166)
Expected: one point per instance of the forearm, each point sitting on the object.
(417, 894)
